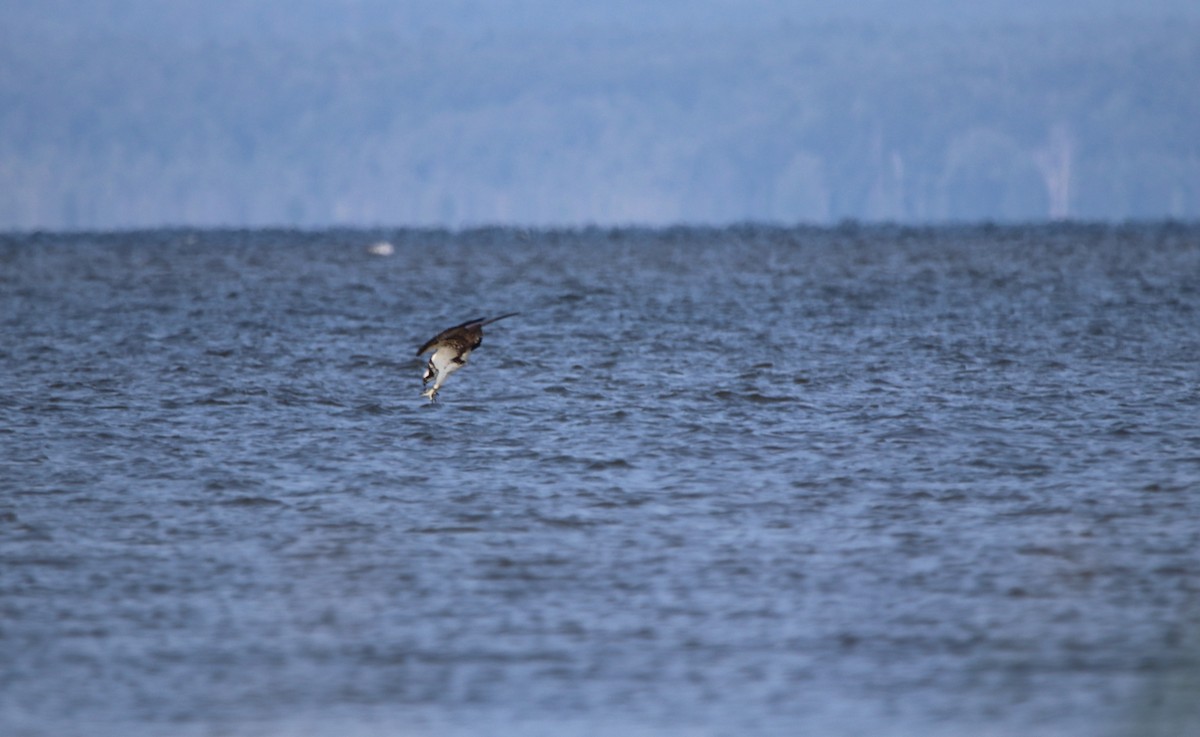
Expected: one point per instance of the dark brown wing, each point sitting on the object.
(491, 320)
(468, 333)
(455, 334)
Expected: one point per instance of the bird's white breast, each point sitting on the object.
(443, 359)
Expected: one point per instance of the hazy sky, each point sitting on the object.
(192, 18)
(139, 112)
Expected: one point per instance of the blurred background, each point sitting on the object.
(311, 113)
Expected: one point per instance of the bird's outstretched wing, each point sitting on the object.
(449, 334)
(452, 333)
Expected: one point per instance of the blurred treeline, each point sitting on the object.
(701, 123)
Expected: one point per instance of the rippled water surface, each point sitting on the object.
(862, 481)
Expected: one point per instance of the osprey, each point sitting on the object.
(450, 350)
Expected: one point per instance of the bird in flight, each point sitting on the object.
(450, 350)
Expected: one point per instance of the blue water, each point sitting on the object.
(745, 481)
